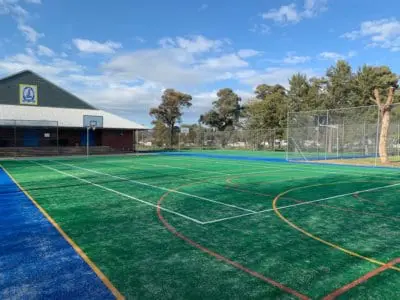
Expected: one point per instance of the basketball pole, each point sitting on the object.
(87, 142)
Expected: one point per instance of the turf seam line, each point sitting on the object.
(303, 203)
(120, 193)
(160, 188)
(107, 282)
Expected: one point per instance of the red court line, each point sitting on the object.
(360, 280)
(223, 258)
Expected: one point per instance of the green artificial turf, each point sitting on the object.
(108, 206)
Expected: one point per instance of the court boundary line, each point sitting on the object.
(303, 203)
(298, 167)
(310, 235)
(104, 279)
(119, 193)
(360, 280)
(160, 188)
(220, 257)
(223, 175)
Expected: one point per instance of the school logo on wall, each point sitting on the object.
(28, 94)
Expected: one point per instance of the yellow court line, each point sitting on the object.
(81, 253)
(337, 247)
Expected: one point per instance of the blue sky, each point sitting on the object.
(120, 55)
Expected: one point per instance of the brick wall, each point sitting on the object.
(118, 139)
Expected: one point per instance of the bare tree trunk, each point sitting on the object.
(385, 124)
(384, 110)
(171, 132)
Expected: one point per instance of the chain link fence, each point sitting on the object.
(208, 139)
(341, 134)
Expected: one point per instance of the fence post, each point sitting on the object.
(287, 136)
(398, 139)
(326, 133)
(343, 139)
(58, 149)
(377, 137)
(15, 138)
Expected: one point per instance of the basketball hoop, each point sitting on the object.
(92, 125)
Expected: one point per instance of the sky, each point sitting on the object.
(121, 55)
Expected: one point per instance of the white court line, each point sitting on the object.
(158, 187)
(119, 193)
(303, 203)
(196, 178)
(204, 171)
(306, 168)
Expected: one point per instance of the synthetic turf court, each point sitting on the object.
(177, 227)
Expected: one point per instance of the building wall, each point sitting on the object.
(118, 139)
(122, 140)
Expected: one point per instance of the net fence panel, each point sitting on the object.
(333, 134)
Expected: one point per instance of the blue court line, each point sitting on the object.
(36, 262)
(278, 160)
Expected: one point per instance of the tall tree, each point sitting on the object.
(268, 110)
(298, 93)
(169, 111)
(160, 134)
(226, 111)
(340, 86)
(378, 84)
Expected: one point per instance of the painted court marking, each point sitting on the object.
(303, 203)
(195, 178)
(295, 167)
(223, 258)
(361, 280)
(77, 249)
(158, 187)
(119, 193)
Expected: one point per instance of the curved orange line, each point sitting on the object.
(223, 258)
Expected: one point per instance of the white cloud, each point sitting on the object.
(384, 33)
(271, 76)
(314, 7)
(291, 14)
(224, 62)
(11, 7)
(293, 59)
(168, 66)
(193, 44)
(30, 34)
(336, 56)
(45, 51)
(245, 53)
(34, 1)
(52, 70)
(90, 46)
(261, 28)
(139, 39)
(285, 14)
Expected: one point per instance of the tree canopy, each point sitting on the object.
(226, 111)
(169, 112)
